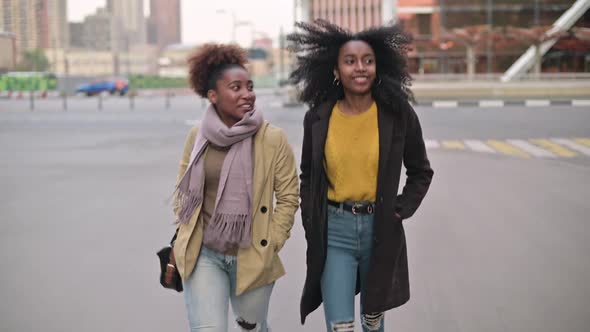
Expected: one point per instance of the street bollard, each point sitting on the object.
(64, 97)
(100, 102)
(167, 95)
(131, 103)
(32, 100)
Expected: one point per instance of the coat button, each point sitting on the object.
(263, 209)
(263, 243)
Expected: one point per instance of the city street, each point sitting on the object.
(500, 243)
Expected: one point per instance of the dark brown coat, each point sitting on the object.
(400, 140)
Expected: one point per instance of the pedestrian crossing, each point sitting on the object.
(523, 148)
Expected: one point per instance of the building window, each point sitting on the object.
(424, 24)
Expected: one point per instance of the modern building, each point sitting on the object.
(129, 23)
(7, 51)
(35, 23)
(164, 23)
(354, 15)
(173, 60)
(94, 33)
(76, 34)
(20, 18)
(55, 21)
(432, 23)
(140, 59)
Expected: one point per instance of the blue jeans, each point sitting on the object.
(209, 289)
(350, 239)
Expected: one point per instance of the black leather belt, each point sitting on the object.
(357, 208)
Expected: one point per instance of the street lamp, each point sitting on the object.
(233, 21)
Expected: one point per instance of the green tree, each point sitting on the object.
(33, 60)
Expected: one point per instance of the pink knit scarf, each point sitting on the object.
(231, 222)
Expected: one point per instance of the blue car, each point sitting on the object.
(117, 86)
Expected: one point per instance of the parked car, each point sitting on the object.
(112, 86)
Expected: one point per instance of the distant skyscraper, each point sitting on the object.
(57, 24)
(35, 23)
(96, 31)
(164, 22)
(129, 22)
(76, 34)
(354, 15)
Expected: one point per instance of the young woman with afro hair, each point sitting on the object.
(236, 197)
(358, 132)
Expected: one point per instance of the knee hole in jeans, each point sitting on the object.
(372, 321)
(246, 325)
(343, 327)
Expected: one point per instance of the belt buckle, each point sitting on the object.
(370, 209)
(354, 207)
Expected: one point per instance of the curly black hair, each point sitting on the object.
(317, 46)
(209, 61)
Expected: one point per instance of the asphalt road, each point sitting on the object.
(499, 244)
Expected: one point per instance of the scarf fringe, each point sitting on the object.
(228, 231)
(187, 202)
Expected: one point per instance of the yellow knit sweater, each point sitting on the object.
(352, 155)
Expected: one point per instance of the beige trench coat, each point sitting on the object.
(275, 174)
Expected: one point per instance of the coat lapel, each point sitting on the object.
(319, 131)
(261, 167)
(385, 125)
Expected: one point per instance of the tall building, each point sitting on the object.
(96, 31)
(76, 34)
(93, 33)
(56, 24)
(7, 51)
(35, 23)
(164, 23)
(19, 18)
(129, 23)
(354, 15)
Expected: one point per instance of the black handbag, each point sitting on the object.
(169, 276)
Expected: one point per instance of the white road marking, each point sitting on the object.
(536, 103)
(530, 148)
(491, 103)
(572, 145)
(431, 144)
(479, 146)
(445, 104)
(581, 102)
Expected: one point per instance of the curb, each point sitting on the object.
(501, 103)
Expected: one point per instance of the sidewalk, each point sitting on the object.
(488, 103)
(491, 90)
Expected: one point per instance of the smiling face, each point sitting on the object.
(356, 68)
(233, 95)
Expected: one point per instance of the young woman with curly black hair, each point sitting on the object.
(235, 166)
(359, 130)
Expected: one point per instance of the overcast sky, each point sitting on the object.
(203, 20)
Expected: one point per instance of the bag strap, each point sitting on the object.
(174, 237)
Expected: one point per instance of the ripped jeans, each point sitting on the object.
(210, 288)
(350, 239)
